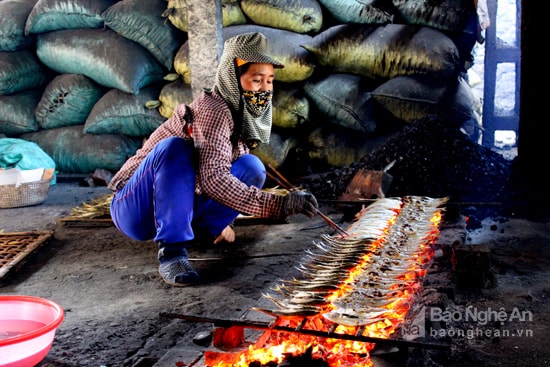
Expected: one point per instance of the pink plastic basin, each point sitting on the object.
(27, 329)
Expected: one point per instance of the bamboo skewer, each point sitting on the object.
(341, 231)
(283, 182)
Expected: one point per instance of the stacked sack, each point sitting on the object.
(355, 72)
(88, 80)
(79, 73)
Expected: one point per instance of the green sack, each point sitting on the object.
(67, 100)
(118, 112)
(17, 112)
(13, 15)
(102, 55)
(344, 99)
(54, 15)
(142, 22)
(76, 152)
(20, 70)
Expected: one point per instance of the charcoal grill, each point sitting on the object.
(404, 224)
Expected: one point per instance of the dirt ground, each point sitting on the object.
(113, 296)
(111, 291)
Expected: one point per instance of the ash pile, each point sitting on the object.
(432, 160)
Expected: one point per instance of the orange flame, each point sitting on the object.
(339, 352)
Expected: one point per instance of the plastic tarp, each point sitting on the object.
(24, 155)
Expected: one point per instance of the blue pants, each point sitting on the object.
(159, 200)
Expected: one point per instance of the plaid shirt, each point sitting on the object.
(211, 129)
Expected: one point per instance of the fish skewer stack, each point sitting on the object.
(370, 275)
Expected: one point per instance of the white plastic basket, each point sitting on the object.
(26, 194)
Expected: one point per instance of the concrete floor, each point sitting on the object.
(65, 195)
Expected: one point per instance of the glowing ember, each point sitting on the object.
(369, 298)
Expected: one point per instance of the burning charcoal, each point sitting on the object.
(259, 364)
(227, 338)
(305, 359)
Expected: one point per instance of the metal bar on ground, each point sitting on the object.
(259, 325)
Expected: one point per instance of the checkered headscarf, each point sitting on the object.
(250, 47)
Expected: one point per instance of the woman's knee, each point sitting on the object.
(174, 144)
(173, 150)
(250, 170)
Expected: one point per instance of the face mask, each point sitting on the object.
(252, 144)
(257, 102)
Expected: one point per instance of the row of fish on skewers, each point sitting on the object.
(358, 279)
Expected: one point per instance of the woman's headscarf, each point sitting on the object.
(252, 48)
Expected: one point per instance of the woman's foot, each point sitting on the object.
(177, 270)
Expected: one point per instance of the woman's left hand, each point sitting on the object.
(227, 235)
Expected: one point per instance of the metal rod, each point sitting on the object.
(259, 325)
(244, 257)
(281, 180)
(342, 232)
(449, 203)
(302, 323)
(287, 183)
(276, 179)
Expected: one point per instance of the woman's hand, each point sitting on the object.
(227, 235)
